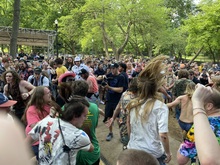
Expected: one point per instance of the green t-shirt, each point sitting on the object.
(89, 126)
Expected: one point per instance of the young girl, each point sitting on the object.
(37, 109)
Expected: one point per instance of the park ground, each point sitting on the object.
(110, 150)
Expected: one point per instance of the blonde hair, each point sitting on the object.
(151, 78)
(190, 88)
(216, 82)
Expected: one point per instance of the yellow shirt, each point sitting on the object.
(61, 70)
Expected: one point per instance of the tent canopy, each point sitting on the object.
(31, 37)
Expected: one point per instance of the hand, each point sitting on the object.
(109, 122)
(169, 98)
(168, 158)
(54, 80)
(200, 95)
(24, 96)
(106, 86)
(52, 112)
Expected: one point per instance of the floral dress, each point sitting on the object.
(188, 148)
(125, 99)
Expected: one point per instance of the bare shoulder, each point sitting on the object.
(185, 99)
(6, 87)
(22, 82)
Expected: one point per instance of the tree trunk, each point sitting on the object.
(212, 53)
(15, 28)
(195, 56)
(105, 46)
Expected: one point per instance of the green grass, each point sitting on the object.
(200, 58)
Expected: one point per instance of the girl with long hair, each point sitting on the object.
(147, 121)
(37, 109)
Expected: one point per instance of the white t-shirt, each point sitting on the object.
(51, 143)
(145, 135)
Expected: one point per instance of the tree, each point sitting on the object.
(15, 28)
(204, 30)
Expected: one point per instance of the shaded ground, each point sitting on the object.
(110, 150)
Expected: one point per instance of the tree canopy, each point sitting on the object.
(140, 27)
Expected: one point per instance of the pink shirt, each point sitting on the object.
(94, 85)
(33, 117)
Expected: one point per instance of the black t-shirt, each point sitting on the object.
(114, 81)
(204, 79)
(99, 72)
(125, 86)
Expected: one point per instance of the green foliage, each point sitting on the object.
(203, 28)
(144, 26)
(6, 12)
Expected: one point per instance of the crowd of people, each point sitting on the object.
(57, 101)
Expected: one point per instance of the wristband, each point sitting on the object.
(199, 112)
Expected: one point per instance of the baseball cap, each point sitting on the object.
(77, 59)
(114, 65)
(37, 70)
(83, 71)
(66, 75)
(4, 102)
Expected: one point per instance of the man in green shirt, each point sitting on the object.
(80, 87)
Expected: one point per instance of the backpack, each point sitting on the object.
(51, 86)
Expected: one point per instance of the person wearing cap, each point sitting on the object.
(38, 79)
(67, 77)
(17, 89)
(78, 66)
(114, 86)
(93, 91)
(5, 106)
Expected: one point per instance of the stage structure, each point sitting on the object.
(30, 37)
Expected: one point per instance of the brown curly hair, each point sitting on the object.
(16, 77)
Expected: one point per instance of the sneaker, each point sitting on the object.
(109, 137)
(102, 102)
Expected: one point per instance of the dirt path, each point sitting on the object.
(110, 150)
